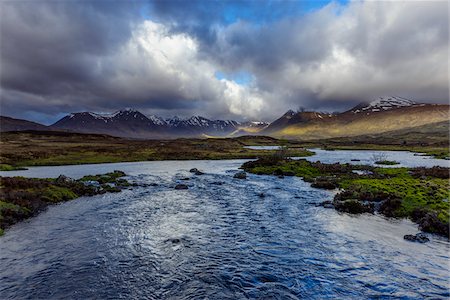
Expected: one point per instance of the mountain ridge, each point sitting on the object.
(380, 115)
(383, 114)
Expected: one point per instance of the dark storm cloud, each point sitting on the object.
(162, 56)
(47, 44)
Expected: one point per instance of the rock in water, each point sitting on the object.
(240, 175)
(420, 238)
(181, 187)
(198, 172)
(193, 170)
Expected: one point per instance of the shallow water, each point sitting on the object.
(368, 157)
(218, 240)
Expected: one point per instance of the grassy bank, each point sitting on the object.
(421, 194)
(21, 149)
(22, 198)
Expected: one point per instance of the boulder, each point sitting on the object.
(420, 238)
(62, 179)
(240, 175)
(193, 170)
(198, 172)
(181, 187)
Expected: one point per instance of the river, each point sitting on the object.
(219, 239)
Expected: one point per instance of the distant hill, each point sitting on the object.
(381, 115)
(11, 124)
(133, 124)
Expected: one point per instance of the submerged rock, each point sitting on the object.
(326, 204)
(420, 238)
(181, 187)
(240, 175)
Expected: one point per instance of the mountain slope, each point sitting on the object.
(433, 134)
(381, 115)
(11, 124)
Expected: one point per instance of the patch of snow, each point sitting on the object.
(387, 103)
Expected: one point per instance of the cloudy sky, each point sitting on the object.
(229, 60)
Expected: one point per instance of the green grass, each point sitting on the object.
(7, 167)
(111, 177)
(55, 194)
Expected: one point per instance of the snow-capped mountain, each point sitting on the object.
(385, 103)
(132, 123)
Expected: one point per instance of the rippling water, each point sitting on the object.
(220, 239)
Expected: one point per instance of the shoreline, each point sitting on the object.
(22, 198)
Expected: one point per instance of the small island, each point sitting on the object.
(22, 198)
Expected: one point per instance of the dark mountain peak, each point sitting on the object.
(289, 113)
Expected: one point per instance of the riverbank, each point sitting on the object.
(23, 149)
(421, 194)
(22, 198)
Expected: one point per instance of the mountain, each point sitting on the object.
(133, 124)
(249, 128)
(295, 118)
(384, 114)
(381, 115)
(11, 124)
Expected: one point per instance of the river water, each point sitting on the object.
(219, 240)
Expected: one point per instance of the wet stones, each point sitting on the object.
(181, 187)
(430, 222)
(419, 238)
(240, 175)
(196, 171)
